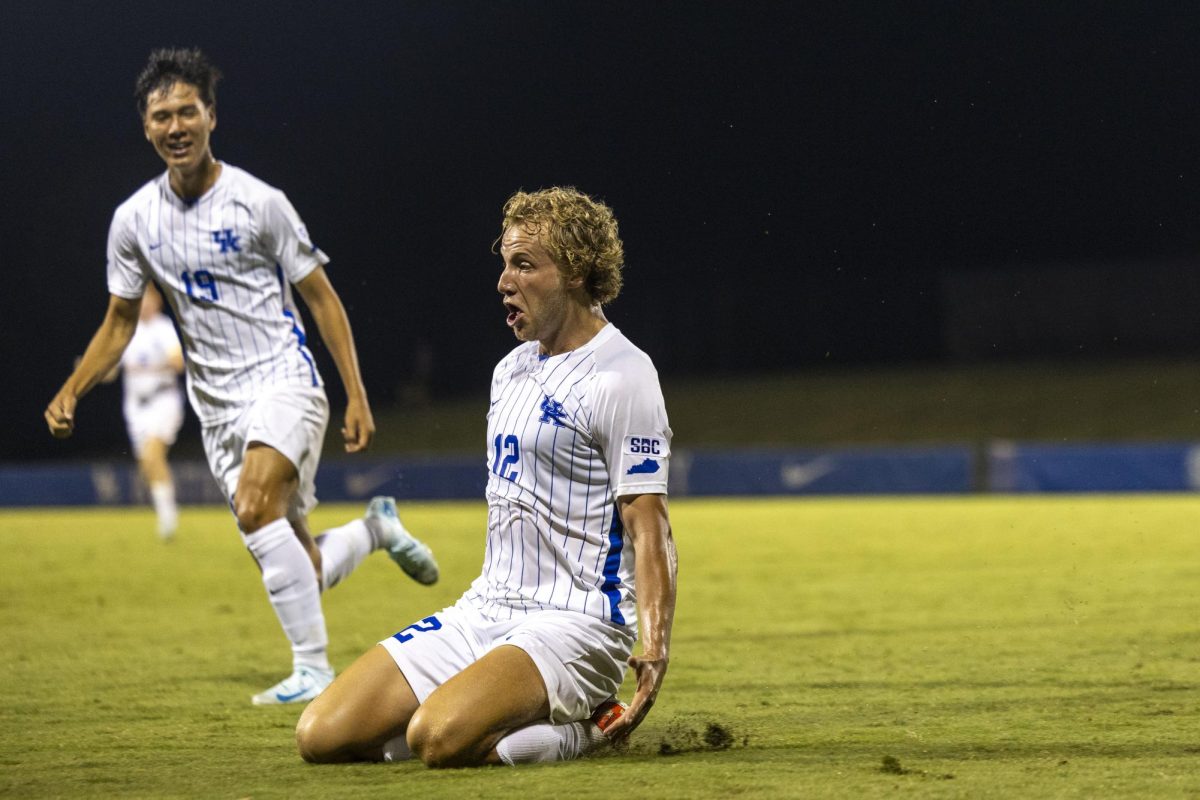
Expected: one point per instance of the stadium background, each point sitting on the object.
(845, 222)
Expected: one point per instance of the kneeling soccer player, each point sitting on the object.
(526, 665)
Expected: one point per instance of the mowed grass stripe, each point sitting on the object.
(948, 647)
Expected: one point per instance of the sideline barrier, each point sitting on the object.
(1138, 467)
(1004, 467)
(858, 470)
(116, 483)
(892, 470)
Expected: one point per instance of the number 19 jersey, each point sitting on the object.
(567, 436)
(225, 262)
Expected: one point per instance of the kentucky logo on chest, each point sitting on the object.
(552, 412)
(227, 240)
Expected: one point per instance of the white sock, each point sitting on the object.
(343, 549)
(163, 496)
(291, 583)
(396, 749)
(542, 742)
(379, 532)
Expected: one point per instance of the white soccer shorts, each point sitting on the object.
(289, 419)
(159, 416)
(582, 660)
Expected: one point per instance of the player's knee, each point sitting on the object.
(435, 742)
(253, 510)
(314, 739)
(308, 742)
(249, 520)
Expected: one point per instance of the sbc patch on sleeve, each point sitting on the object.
(647, 446)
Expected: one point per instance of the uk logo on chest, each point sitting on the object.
(227, 240)
(552, 413)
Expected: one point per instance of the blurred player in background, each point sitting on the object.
(153, 403)
(526, 665)
(226, 249)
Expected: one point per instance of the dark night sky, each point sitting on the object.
(793, 179)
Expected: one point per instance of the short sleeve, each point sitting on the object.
(629, 422)
(287, 239)
(126, 271)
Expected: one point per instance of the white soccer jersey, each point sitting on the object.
(225, 262)
(567, 435)
(146, 364)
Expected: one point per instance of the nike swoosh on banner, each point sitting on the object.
(798, 476)
(361, 484)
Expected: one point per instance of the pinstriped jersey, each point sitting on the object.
(146, 363)
(567, 436)
(225, 262)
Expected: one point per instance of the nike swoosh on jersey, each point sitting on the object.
(156, 246)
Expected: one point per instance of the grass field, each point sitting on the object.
(968, 647)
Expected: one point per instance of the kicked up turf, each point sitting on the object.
(927, 647)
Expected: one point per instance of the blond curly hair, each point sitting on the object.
(580, 233)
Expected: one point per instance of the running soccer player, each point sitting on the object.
(227, 249)
(526, 665)
(153, 404)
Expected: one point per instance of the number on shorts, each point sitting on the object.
(424, 626)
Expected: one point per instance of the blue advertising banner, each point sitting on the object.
(1006, 467)
(859, 470)
(1133, 467)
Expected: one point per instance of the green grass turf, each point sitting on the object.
(982, 647)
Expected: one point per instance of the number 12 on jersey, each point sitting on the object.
(510, 448)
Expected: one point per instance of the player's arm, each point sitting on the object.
(648, 525)
(334, 325)
(175, 359)
(101, 357)
(108, 377)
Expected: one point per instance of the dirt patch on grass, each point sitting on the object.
(891, 766)
(687, 738)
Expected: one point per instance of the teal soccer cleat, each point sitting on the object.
(413, 555)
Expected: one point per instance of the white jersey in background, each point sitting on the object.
(225, 262)
(146, 363)
(153, 400)
(567, 436)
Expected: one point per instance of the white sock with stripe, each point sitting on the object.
(291, 583)
(542, 742)
(343, 549)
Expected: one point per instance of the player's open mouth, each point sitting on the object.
(514, 314)
(178, 148)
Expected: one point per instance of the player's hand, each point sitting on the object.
(650, 671)
(359, 427)
(60, 415)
